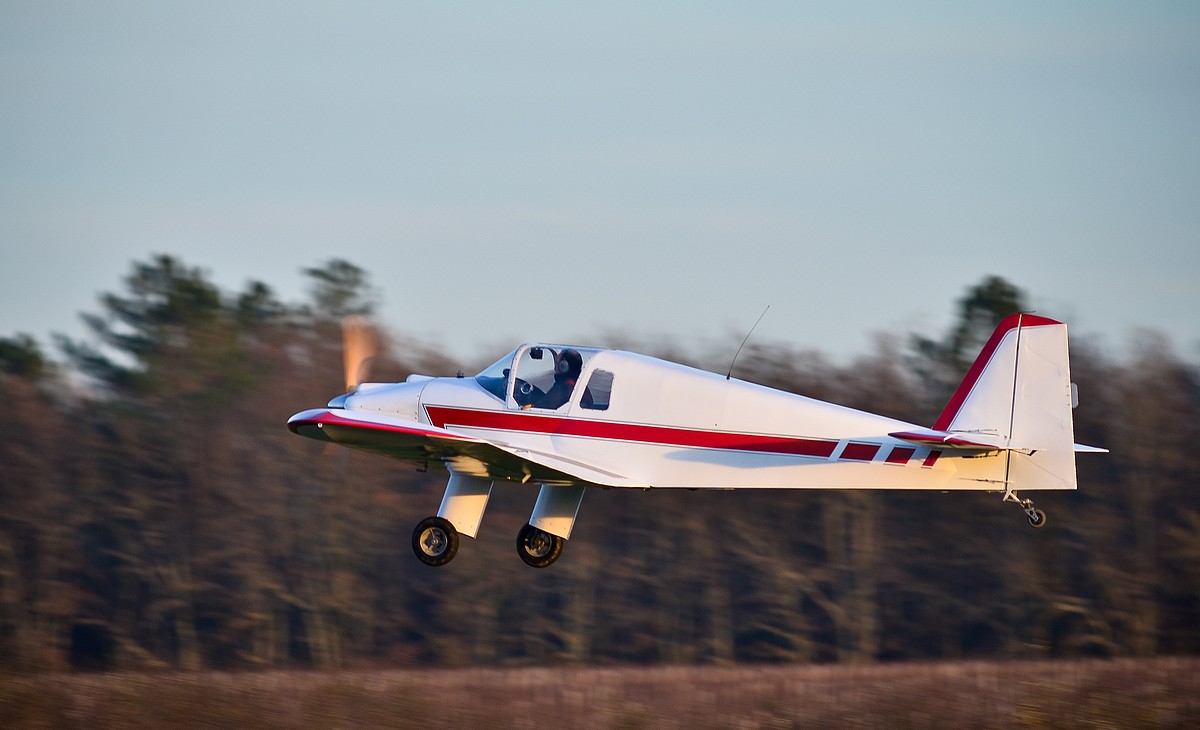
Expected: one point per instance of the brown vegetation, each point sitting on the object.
(166, 519)
(1158, 693)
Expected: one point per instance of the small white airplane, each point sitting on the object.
(573, 418)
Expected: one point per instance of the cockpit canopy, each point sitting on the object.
(540, 376)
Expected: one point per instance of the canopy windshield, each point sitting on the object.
(545, 375)
(494, 378)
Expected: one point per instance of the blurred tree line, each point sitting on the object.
(156, 513)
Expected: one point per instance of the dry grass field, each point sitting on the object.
(1124, 693)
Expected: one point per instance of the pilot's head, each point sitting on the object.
(570, 362)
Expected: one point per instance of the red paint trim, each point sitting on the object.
(985, 357)
(969, 444)
(900, 455)
(329, 418)
(859, 452)
(932, 458)
(921, 437)
(944, 439)
(443, 417)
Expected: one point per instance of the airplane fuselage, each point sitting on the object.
(720, 433)
(568, 419)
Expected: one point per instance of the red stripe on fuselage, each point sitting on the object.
(445, 417)
(859, 452)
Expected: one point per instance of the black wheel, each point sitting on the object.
(538, 548)
(435, 541)
(1038, 518)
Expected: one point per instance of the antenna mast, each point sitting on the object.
(739, 350)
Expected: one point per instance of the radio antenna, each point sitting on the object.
(739, 350)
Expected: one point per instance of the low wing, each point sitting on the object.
(423, 443)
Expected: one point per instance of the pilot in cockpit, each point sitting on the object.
(566, 374)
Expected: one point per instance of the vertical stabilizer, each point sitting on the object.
(1019, 390)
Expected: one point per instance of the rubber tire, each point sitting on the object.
(440, 552)
(1041, 519)
(538, 548)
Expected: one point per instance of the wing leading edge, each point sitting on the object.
(460, 453)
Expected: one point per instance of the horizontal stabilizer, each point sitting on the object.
(974, 442)
(964, 441)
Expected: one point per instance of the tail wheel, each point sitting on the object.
(1037, 518)
(435, 541)
(538, 548)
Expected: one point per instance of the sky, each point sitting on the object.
(573, 172)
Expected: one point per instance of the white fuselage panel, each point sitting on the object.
(671, 426)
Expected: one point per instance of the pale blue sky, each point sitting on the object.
(563, 171)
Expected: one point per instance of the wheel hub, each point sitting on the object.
(433, 542)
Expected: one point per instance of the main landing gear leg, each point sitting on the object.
(1037, 518)
(435, 540)
(540, 542)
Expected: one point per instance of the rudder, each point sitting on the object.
(1019, 391)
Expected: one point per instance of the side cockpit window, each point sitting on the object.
(598, 393)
